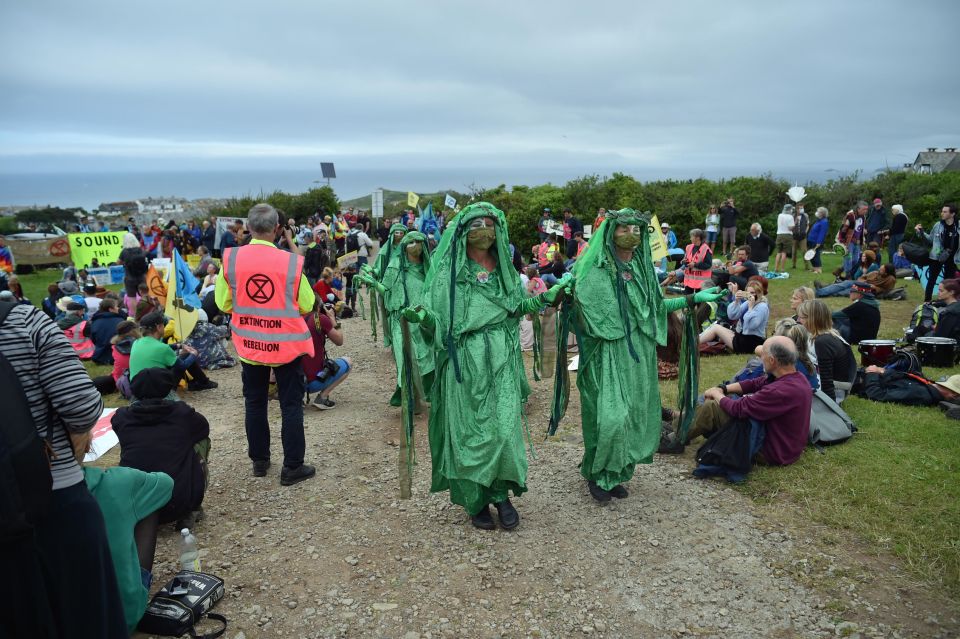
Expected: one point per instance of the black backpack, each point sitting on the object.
(313, 262)
(353, 241)
(26, 484)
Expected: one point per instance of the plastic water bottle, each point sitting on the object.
(189, 551)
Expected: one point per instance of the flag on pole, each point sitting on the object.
(429, 225)
(181, 291)
(449, 202)
(156, 285)
(412, 198)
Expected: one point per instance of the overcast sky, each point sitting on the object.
(678, 85)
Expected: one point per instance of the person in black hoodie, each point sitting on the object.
(103, 328)
(159, 433)
(948, 322)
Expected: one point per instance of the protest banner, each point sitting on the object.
(553, 226)
(103, 437)
(105, 247)
(658, 244)
(51, 250)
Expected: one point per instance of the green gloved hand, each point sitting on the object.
(708, 295)
(366, 269)
(561, 286)
(414, 314)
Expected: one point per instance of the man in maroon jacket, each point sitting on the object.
(781, 400)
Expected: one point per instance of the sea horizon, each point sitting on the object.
(89, 189)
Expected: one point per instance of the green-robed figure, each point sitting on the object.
(474, 302)
(620, 316)
(401, 286)
(376, 272)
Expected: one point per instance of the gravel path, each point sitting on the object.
(341, 555)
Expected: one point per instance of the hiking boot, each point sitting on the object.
(509, 517)
(322, 403)
(619, 491)
(483, 520)
(670, 445)
(207, 384)
(291, 476)
(598, 493)
(260, 467)
(945, 406)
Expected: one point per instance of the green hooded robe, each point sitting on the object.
(620, 317)
(480, 386)
(384, 256)
(403, 283)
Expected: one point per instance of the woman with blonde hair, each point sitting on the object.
(751, 311)
(835, 360)
(799, 296)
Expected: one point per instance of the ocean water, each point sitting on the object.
(88, 190)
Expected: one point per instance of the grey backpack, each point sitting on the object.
(829, 424)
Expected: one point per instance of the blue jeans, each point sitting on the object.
(317, 385)
(549, 279)
(852, 258)
(840, 289)
(290, 386)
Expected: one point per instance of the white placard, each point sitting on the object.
(103, 437)
(376, 203)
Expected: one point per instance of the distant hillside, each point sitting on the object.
(394, 202)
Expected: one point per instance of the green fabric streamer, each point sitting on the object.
(619, 315)
(537, 346)
(480, 387)
(373, 312)
(385, 257)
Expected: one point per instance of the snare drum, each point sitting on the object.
(876, 352)
(939, 352)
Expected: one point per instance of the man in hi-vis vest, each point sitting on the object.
(265, 290)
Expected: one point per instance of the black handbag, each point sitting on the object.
(182, 603)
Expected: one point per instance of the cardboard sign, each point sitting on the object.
(105, 247)
(553, 226)
(106, 275)
(103, 437)
(347, 259)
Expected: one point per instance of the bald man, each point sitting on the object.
(781, 400)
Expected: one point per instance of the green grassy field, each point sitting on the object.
(895, 485)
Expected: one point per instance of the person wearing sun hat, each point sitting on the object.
(860, 320)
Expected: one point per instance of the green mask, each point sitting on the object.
(627, 240)
(482, 238)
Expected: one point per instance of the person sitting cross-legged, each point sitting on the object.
(780, 400)
(150, 352)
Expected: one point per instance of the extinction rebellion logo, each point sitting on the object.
(260, 288)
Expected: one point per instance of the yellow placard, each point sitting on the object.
(658, 243)
(105, 247)
(412, 198)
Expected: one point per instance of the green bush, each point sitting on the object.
(684, 203)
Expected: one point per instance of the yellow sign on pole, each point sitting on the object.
(412, 198)
(658, 244)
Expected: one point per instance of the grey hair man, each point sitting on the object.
(267, 293)
(760, 247)
(779, 401)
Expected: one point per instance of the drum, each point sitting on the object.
(877, 352)
(939, 352)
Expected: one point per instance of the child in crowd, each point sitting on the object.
(535, 285)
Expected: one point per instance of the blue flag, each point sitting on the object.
(429, 224)
(187, 284)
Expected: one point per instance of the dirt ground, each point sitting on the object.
(342, 555)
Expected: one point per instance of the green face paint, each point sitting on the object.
(482, 238)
